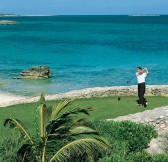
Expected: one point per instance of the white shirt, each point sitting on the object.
(141, 77)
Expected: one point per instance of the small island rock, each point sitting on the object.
(36, 72)
(7, 22)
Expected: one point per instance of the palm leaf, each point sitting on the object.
(13, 123)
(59, 108)
(23, 150)
(82, 130)
(80, 147)
(66, 120)
(42, 99)
(77, 111)
(41, 117)
(57, 124)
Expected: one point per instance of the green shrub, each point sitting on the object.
(114, 158)
(143, 156)
(137, 136)
(160, 158)
(119, 152)
(8, 150)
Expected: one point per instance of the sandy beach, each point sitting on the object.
(7, 99)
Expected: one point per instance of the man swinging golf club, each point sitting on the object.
(141, 75)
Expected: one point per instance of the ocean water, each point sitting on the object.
(82, 51)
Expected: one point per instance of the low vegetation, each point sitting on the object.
(136, 136)
(61, 135)
(128, 141)
(67, 133)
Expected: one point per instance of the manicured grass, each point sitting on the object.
(104, 108)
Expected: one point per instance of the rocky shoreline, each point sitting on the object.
(151, 90)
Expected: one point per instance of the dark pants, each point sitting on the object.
(141, 92)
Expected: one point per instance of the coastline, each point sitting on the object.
(7, 99)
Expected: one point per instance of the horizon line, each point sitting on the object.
(84, 14)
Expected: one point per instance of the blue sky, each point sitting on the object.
(84, 7)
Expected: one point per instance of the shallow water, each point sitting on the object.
(82, 51)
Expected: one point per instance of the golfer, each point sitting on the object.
(141, 75)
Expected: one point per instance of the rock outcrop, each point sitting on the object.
(7, 22)
(36, 72)
(159, 145)
(158, 118)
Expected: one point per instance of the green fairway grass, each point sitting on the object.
(104, 108)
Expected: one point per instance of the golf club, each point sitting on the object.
(128, 81)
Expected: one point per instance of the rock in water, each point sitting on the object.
(7, 22)
(36, 72)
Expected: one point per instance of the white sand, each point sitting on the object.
(6, 99)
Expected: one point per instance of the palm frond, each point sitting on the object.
(80, 147)
(59, 108)
(28, 152)
(77, 111)
(42, 99)
(13, 123)
(66, 122)
(82, 130)
(63, 127)
(42, 119)
(57, 124)
(23, 150)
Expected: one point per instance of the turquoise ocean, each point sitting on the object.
(82, 51)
